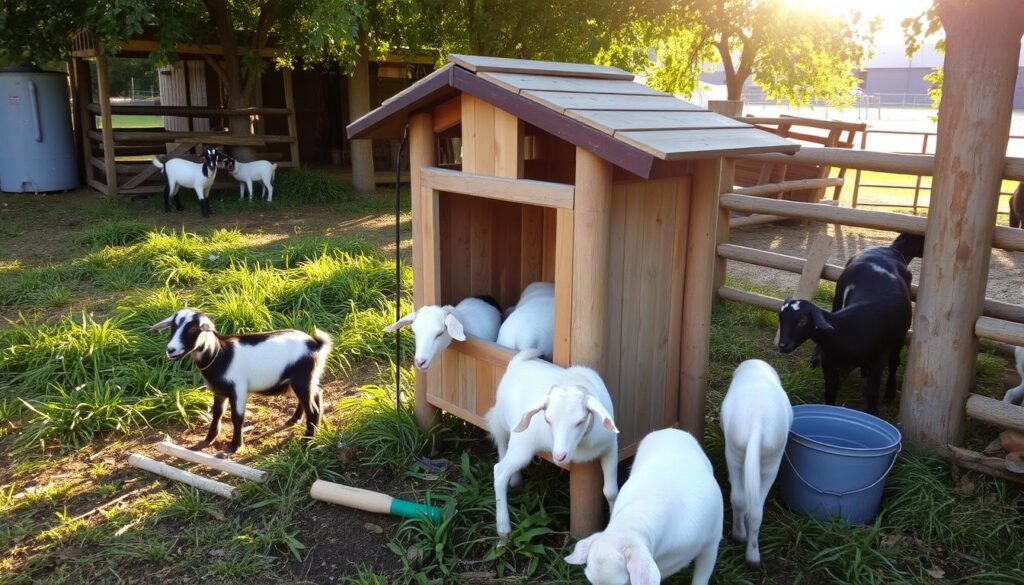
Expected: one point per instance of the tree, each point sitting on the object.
(917, 30)
(315, 31)
(794, 54)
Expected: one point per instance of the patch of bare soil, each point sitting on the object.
(1005, 279)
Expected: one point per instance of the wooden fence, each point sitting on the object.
(1001, 322)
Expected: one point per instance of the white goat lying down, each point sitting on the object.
(435, 327)
(259, 171)
(575, 426)
(756, 417)
(531, 323)
(668, 514)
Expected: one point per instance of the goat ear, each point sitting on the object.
(205, 324)
(528, 415)
(594, 405)
(641, 567)
(581, 551)
(820, 323)
(403, 322)
(454, 328)
(165, 324)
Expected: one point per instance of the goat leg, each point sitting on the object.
(890, 386)
(216, 413)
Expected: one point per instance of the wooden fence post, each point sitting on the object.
(109, 166)
(982, 46)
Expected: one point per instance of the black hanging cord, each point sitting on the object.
(398, 269)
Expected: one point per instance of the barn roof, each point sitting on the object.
(594, 107)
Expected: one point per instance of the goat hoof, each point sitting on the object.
(200, 446)
(755, 565)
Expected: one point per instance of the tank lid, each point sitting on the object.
(27, 68)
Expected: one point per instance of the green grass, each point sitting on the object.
(81, 387)
(132, 121)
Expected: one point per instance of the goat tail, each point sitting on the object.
(158, 164)
(326, 344)
(525, 355)
(752, 468)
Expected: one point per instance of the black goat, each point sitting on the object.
(870, 318)
(233, 366)
(1017, 207)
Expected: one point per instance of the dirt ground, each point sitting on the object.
(1005, 279)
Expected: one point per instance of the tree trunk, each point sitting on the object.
(983, 39)
(359, 104)
(240, 126)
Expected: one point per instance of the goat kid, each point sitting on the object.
(1016, 395)
(259, 171)
(435, 327)
(668, 515)
(531, 323)
(233, 366)
(873, 296)
(576, 424)
(199, 177)
(756, 417)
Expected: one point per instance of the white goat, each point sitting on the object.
(1014, 395)
(435, 327)
(756, 417)
(179, 172)
(531, 324)
(576, 425)
(668, 514)
(246, 173)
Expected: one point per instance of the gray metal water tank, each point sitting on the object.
(37, 149)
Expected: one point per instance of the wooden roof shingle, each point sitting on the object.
(594, 107)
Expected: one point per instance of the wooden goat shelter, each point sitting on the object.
(575, 175)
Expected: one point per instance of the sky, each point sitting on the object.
(892, 13)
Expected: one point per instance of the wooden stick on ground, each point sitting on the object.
(237, 469)
(975, 461)
(209, 485)
(820, 250)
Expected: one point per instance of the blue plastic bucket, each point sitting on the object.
(836, 462)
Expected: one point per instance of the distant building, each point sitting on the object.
(888, 79)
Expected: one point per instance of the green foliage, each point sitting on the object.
(115, 233)
(302, 186)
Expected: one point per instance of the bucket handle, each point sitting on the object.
(841, 494)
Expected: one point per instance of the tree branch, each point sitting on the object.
(216, 67)
(268, 12)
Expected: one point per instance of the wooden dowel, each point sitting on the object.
(207, 485)
(237, 469)
(755, 219)
(786, 186)
(995, 412)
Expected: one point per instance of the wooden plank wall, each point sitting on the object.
(646, 262)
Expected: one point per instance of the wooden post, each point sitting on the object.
(698, 294)
(726, 185)
(982, 46)
(359, 104)
(289, 102)
(590, 245)
(103, 79)
(84, 120)
(422, 153)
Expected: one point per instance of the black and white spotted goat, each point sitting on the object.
(869, 321)
(179, 172)
(233, 366)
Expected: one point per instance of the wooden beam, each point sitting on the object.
(448, 115)
(1004, 237)
(995, 412)
(150, 170)
(698, 294)
(103, 80)
(787, 186)
(422, 154)
(869, 160)
(542, 193)
(197, 481)
(588, 326)
(225, 465)
(983, 42)
(85, 121)
(999, 330)
(289, 106)
(190, 111)
(756, 299)
(974, 461)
